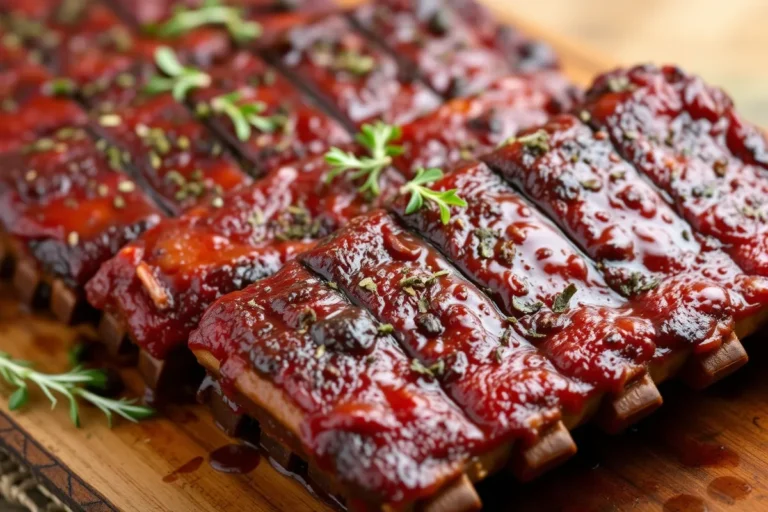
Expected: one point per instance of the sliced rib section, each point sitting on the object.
(433, 38)
(464, 128)
(690, 290)
(688, 139)
(454, 332)
(161, 284)
(559, 302)
(327, 382)
(358, 78)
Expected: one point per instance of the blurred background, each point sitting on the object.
(724, 41)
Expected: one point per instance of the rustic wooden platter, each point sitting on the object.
(703, 450)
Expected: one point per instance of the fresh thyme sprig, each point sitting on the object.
(377, 138)
(212, 12)
(70, 384)
(179, 80)
(247, 115)
(421, 193)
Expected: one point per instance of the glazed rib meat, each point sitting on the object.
(464, 128)
(162, 283)
(292, 128)
(687, 138)
(343, 393)
(432, 37)
(69, 205)
(527, 266)
(356, 76)
(30, 106)
(646, 252)
(455, 333)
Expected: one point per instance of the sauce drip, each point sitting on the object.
(728, 489)
(189, 467)
(235, 458)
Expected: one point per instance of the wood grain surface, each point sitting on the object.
(702, 451)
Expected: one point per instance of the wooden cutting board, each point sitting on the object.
(702, 451)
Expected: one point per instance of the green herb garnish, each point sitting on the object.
(421, 193)
(70, 384)
(377, 139)
(247, 115)
(179, 80)
(212, 12)
(563, 298)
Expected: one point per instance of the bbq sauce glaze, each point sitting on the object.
(432, 38)
(454, 332)
(386, 432)
(688, 139)
(163, 282)
(71, 206)
(300, 128)
(357, 77)
(464, 128)
(691, 290)
(525, 264)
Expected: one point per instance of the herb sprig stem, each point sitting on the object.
(377, 139)
(69, 384)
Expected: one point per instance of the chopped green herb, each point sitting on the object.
(563, 298)
(421, 193)
(386, 329)
(368, 284)
(526, 307)
(179, 80)
(536, 142)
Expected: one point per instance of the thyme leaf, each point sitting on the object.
(377, 139)
(420, 194)
(247, 115)
(563, 298)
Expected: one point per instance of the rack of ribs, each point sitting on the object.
(389, 357)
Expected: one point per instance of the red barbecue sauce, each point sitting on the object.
(455, 332)
(524, 263)
(362, 80)
(385, 431)
(688, 139)
(691, 290)
(214, 249)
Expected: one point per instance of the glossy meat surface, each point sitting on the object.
(686, 136)
(71, 205)
(432, 37)
(162, 283)
(457, 334)
(301, 129)
(29, 108)
(381, 428)
(174, 152)
(621, 222)
(467, 127)
(525, 54)
(359, 78)
(524, 263)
